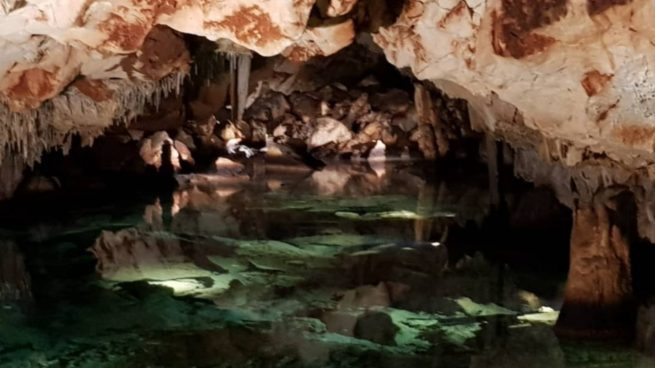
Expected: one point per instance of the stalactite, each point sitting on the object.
(31, 133)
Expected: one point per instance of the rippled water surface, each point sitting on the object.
(401, 266)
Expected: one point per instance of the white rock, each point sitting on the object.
(328, 130)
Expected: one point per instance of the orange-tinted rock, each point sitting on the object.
(34, 86)
(250, 24)
(594, 82)
(94, 89)
(321, 41)
(162, 53)
(123, 35)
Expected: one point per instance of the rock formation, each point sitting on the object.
(599, 287)
(73, 67)
(576, 72)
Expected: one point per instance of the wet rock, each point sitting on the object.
(367, 296)
(328, 130)
(376, 158)
(284, 154)
(376, 327)
(131, 255)
(227, 167)
(340, 322)
(331, 180)
(328, 151)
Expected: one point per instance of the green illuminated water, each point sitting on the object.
(342, 268)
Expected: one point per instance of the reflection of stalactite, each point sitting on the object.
(425, 208)
(15, 282)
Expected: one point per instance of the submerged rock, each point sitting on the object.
(377, 327)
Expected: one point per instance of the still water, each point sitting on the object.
(401, 265)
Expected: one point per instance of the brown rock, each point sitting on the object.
(358, 108)
(162, 53)
(598, 297)
(395, 101)
(270, 106)
(94, 89)
(211, 98)
(305, 106)
(227, 167)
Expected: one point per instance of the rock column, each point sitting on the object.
(598, 298)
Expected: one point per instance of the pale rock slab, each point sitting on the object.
(328, 130)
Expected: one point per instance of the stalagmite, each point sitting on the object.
(598, 297)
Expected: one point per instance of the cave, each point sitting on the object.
(327, 183)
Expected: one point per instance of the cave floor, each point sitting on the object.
(401, 266)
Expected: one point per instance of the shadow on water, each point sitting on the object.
(403, 266)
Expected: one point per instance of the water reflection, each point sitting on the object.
(271, 266)
(15, 285)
